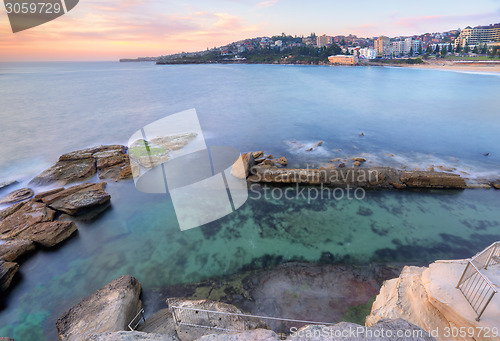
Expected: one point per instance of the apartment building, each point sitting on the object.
(479, 34)
(324, 41)
(343, 59)
(382, 46)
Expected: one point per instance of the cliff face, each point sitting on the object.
(428, 298)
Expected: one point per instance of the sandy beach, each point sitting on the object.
(454, 66)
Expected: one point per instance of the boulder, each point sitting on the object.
(251, 335)
(13, 249)
(281, 161)
(42, 195)
(48, 234)
(114, 168)
(7, 272)
(385, 330)
(218, 322)
(79, 198)
(64, 172)
(496, 185)
(19, 195)
(88, 153)
(258, 155)
(28, 214)
(130, 336)
(241, 167)
(358, 159)
(10, 210)
(109, 309)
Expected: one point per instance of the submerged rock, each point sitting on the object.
(74, 200)
(7, 272)
(7, 183)
(109, 309)
(19, 195)
(281, 161)
(242, 166)
(13, 249)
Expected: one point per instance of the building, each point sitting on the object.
(405, 47)
(367, 53)
(343, 59)
(324, 41)
(278, 43)
(382, 46)
(479, 34)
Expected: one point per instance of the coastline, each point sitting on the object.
(453, 66)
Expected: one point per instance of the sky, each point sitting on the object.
(112, 29)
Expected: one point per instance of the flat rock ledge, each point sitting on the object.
(109, 309)
(7, 272)
(111, 162)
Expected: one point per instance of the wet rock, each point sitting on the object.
(13, 249)
(7, 272)
(389, 154)
(222, 321)
(341, 165)
(496, 185)
(361, 134)
(446, 169)
(48, 234)
(356, 163)
(88, 153)
(431, 168)
(9, 210)
(7, 183)
(109, 309)
(251, 335)
(64, 172)
(364, 211)
(241, 167)
(114, 168)
(42, 195)
(346, 331)
(130, 336)
(358, 159)
(479, 186)
(433, 180)
(398, 185)
(6, 339)
(19, 195)
(281, 161)
(79, 198)
(257, 155)
(270, 157)
(28, 214)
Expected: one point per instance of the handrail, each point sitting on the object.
(476, 285)
(139, 314)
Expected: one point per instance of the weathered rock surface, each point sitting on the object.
(130, 336)
(9, 210)
(187, 333)
(48, 234)
(112, 162)
(76, 199)
(374, 177)
(19, 195)
(251, 335)
(13, 249)
(64, 172)
(6, 339)
(281, 161)
(241, 167)
(25, 216)
(7, 183)
(385, 330)
(7, 272)
(109, 309)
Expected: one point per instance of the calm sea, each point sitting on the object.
(410, 118)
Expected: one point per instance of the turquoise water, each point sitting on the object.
(423, 117)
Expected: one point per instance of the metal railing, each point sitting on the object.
(475, 286)
(136, 321)
(235, 322)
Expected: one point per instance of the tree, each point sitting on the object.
(458, 49)
(484, 50)
(411, 51)
(437, 49)
(450, 49)
(475, 50)
(444, 51)
(420, 49)
(428, 50)
(466, 48)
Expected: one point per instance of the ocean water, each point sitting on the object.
(410, 118)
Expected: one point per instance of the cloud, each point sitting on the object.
(268, 3)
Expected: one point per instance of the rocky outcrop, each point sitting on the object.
(130, 336)
(374, 177)
(7, 183)
(24, 217)
(77, 199)
(251, 335)
(6, 339)
(48, 234)
(428, 298)
(241, 167)
(109, 309)
(221, 321)
(19, 195)
(7, 272)
(9, 210)
(385, 330)
(13, 249)
(111, 161)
